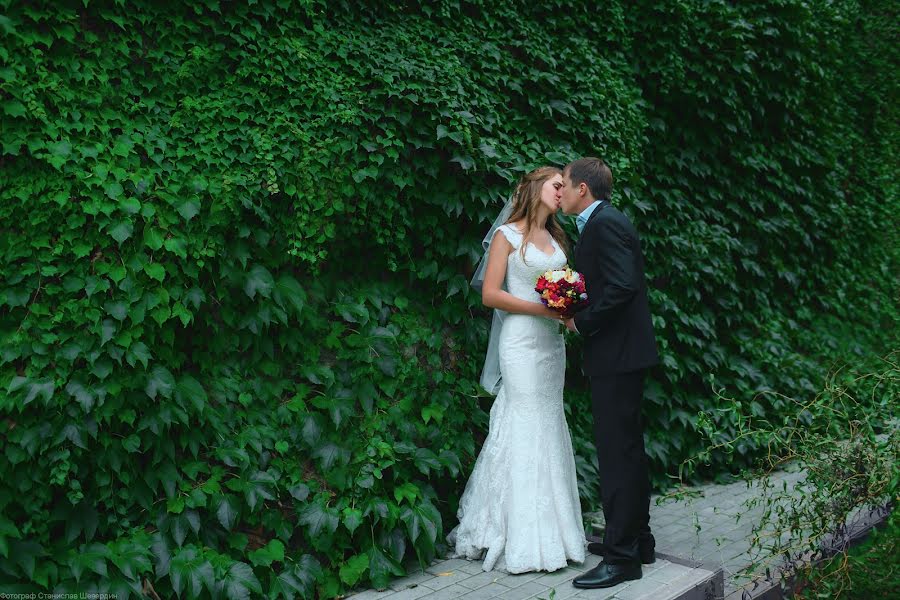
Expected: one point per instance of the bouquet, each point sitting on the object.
(562, 290)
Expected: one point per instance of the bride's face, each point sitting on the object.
(550, 193)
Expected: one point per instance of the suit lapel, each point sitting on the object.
(596, 212)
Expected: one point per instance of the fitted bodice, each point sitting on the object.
(522, 274)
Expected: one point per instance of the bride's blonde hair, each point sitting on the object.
(525, 202)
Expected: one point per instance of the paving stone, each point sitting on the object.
(563, 590)
(411, 579)
(641, 589)
(372, 595)
(410, 593)
(667, 572)
(601, 594)
(516, 580)
(679, 585)
(524, 591)
(474, 567)
(445, 579)
(485, 577)
(448, 593)
(557, 577)
(648, 570)
(445, 566)
(491, 590)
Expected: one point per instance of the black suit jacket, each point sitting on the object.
(616, 323)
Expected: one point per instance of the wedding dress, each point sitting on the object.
(520, 510)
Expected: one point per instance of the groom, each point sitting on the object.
(619, 347)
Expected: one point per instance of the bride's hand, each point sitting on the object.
(554, 314)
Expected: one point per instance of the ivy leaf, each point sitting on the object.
(131, 558)
(175, 506)
(121, 231)
(426, 460)
(295, 580)
(311, 429)
(319, 519)
(240, 581)
(352, 518)
(107, 331)
(138, 352)
(91, 557)
(258, 486)
(189, 568)
(177, 246)
(155, 270)
(114, 190)
(153, 239)
(465, 161)
(14, 108)
(162, 554)
(421, 518)
(259, 280)
(265, 556)
(160, 381)
(7, 530)
(42, 388)
(366, 393)
(82, 395)
(289, 292)
(353, 568)
(330, 453)
(227, 510)
(82, 519)
(382, 568)
(117, 309)
(299, 492)
(188, 209)
(16, 384)
(408, 490)
(25, 554)
(117, 273)
(195, 297)
(130, 205)
(182, 313)
(189, 389)
(307, 571)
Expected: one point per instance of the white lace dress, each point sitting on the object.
(520, 510)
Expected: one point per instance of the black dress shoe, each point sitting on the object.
(606, 575)
(647, 553)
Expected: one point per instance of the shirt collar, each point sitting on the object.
(582, 219)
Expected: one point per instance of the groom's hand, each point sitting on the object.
(570, 325)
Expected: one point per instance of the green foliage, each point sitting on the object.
(237, 345)
(844, 445)
(868, 570)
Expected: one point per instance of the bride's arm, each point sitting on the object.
(494, 296)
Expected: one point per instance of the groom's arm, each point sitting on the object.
(613, 251)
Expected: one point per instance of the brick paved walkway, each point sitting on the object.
(695, 537)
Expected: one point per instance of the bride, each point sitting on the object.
(520, 510)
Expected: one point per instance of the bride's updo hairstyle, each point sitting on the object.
(526, 199)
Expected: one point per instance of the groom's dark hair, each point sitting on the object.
(593, 172)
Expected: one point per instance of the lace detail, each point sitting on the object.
(520, 510)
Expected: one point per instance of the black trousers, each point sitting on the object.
(624, 481)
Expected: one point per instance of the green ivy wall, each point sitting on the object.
(238, 353)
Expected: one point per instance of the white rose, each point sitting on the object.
(556, 276)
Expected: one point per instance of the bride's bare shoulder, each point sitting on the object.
(518, 226)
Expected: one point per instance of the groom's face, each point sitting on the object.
(569, 197)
